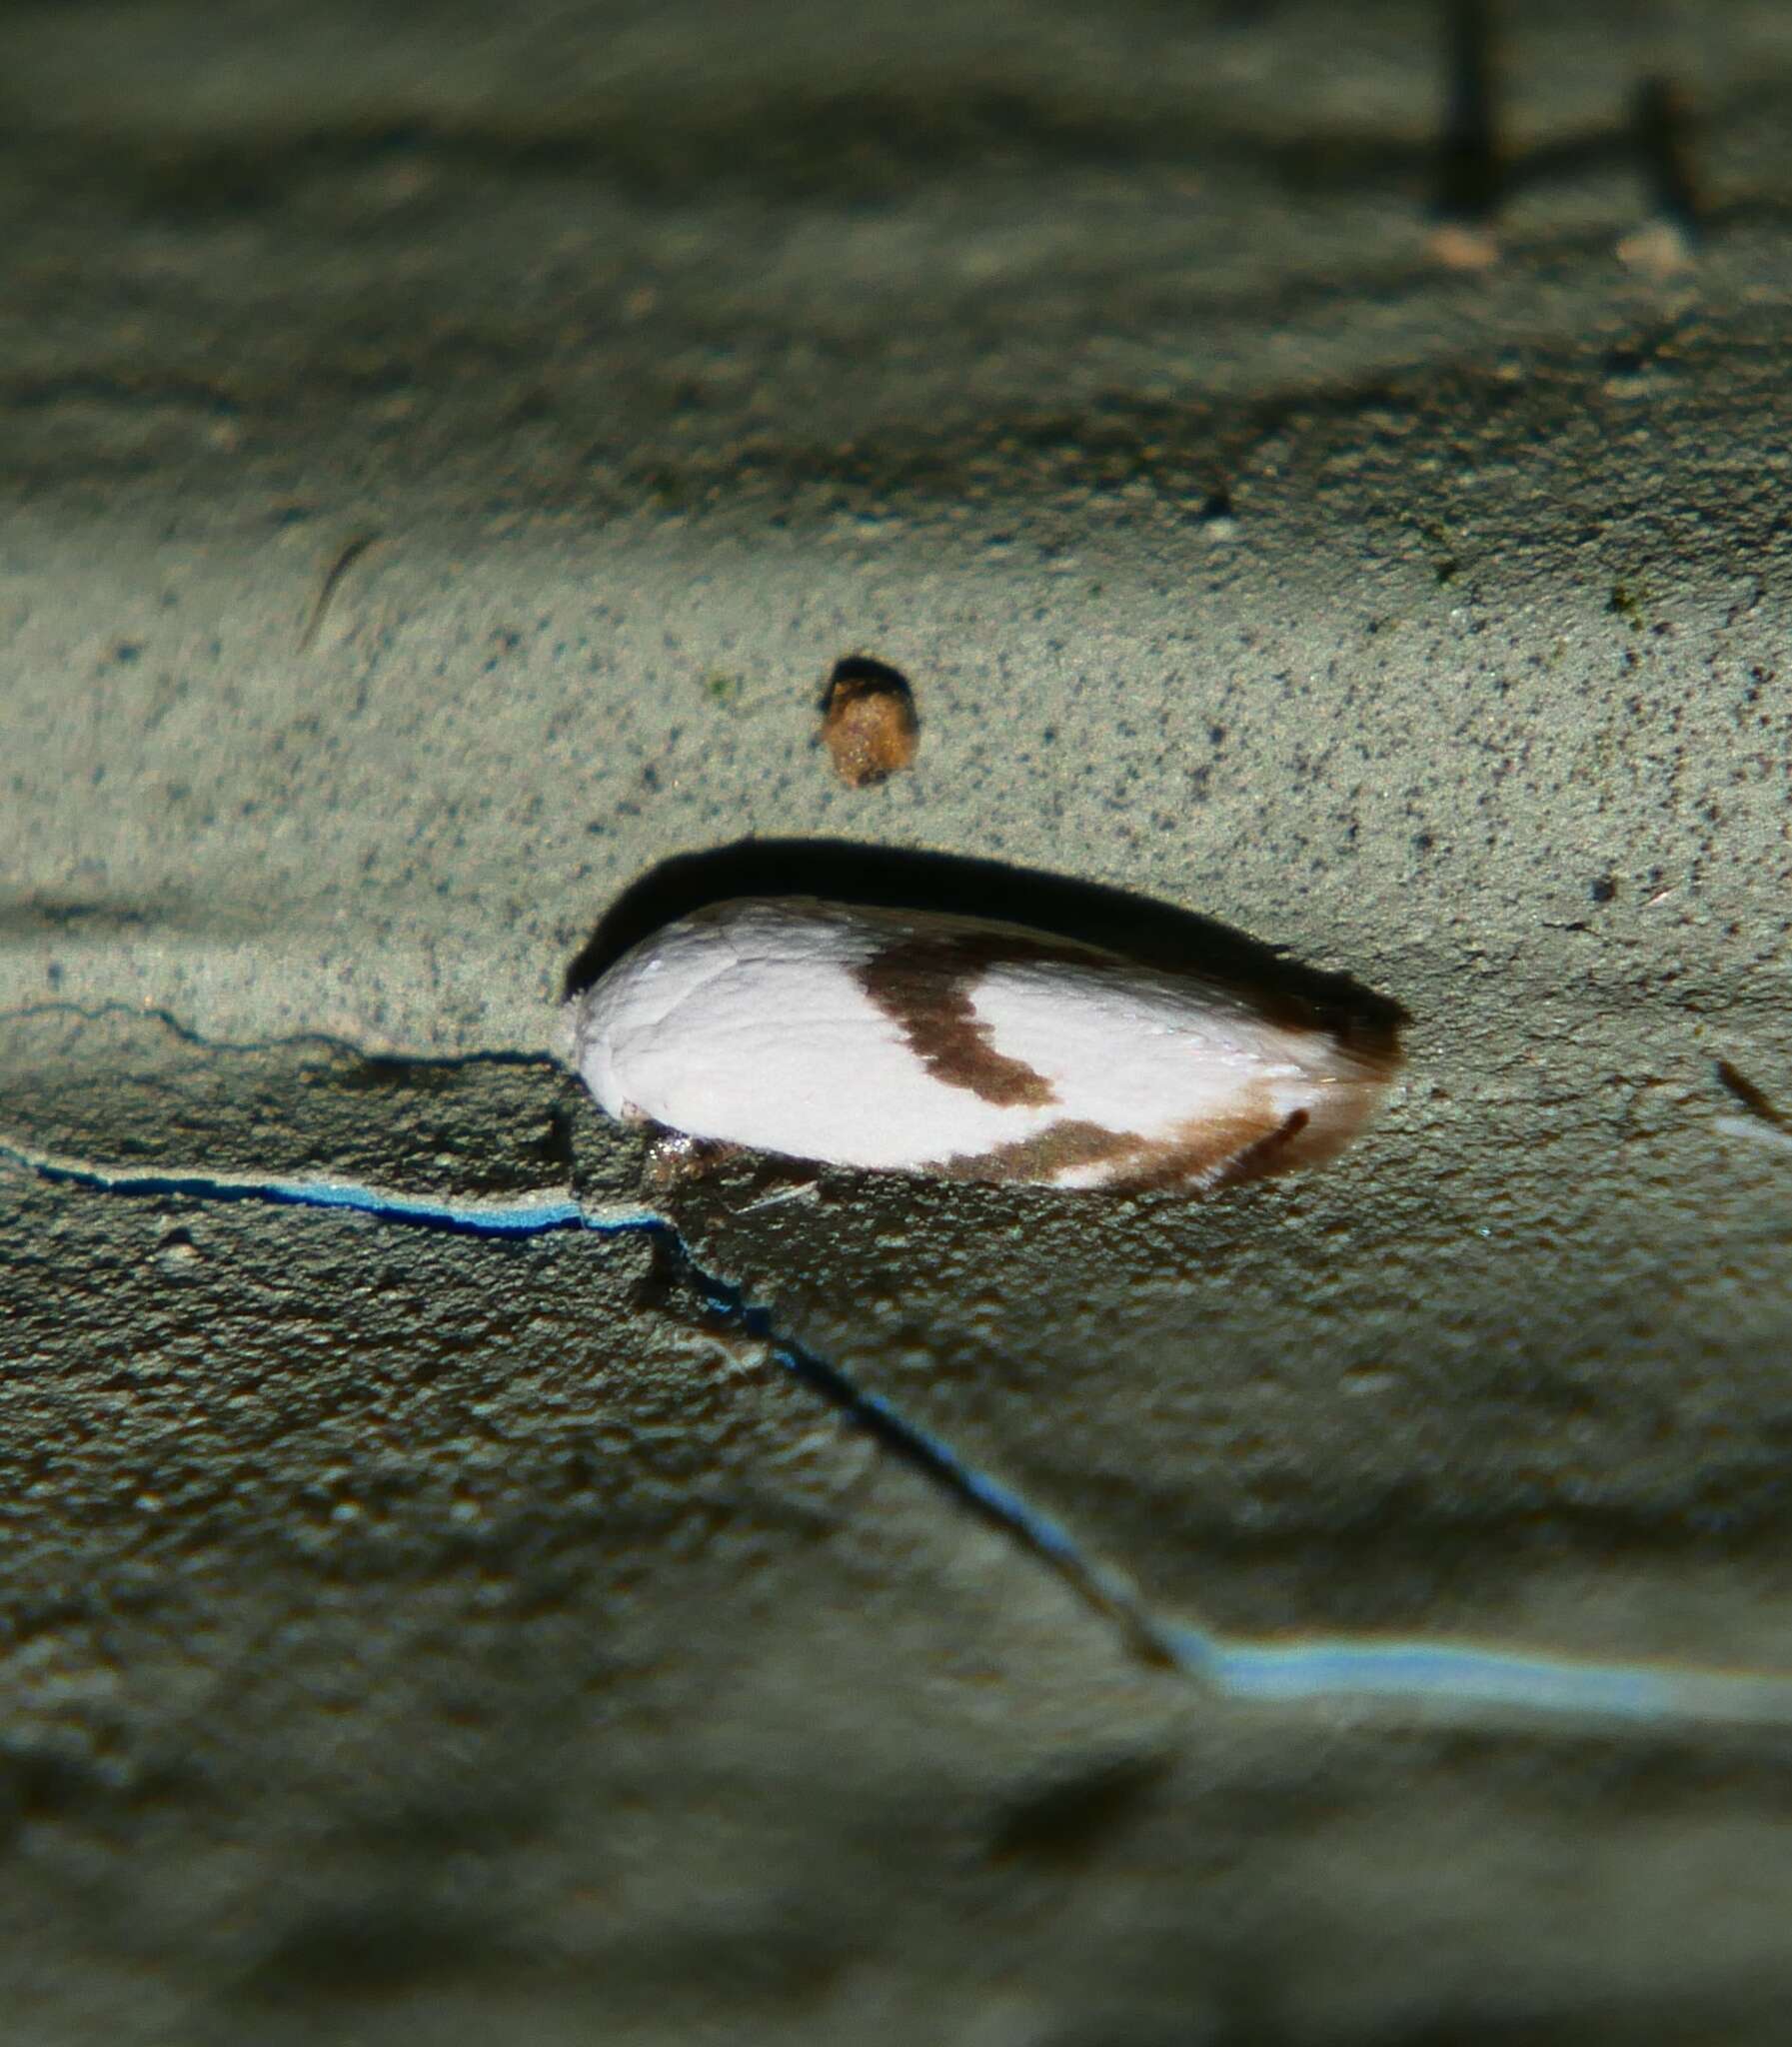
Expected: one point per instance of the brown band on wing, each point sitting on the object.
(1038, 1160)
(1209, 1155)
(1203, 1154)
(924, 985)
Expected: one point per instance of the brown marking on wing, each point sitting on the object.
(1200, 1156)
(1038, 1160)
(1209, 1155)
(924, 985)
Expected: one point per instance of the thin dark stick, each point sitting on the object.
(344, 562)
(1751, 1096)
(1468, 168)
(1660, 125)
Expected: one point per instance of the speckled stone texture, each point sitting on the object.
(445, 449)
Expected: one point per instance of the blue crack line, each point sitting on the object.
(530, 1217)
(1449, 1675)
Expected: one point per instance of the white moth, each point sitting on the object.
(905, 1041)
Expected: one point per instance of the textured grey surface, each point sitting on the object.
(411, 1636)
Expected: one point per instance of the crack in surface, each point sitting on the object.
(1459, 1674)
(286, 1041)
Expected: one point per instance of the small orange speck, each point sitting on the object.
(1658, 251)
(1463, 245)
(869, 723)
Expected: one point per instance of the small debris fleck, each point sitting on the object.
(723, 686)
(177, 1251)
(1659, 250)
(869, 723)
(1219, 522)
(1602, 888)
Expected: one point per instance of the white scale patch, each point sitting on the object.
(904, 1042)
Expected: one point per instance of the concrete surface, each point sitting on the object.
(412, 1637)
